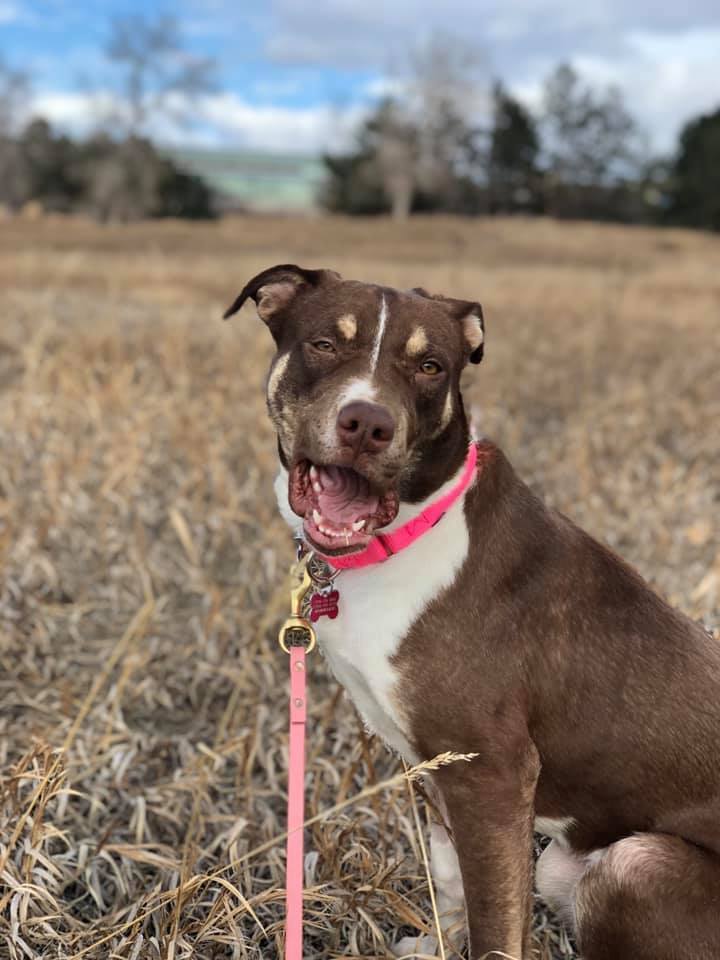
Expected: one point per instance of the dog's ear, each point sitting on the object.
(275, 288)
(470, 315)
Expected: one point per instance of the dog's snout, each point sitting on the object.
(365, 427)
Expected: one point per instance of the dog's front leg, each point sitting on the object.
(491, 811)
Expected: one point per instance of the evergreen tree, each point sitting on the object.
(513, 176)
(695, 191)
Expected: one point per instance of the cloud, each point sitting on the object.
(345, 32)
(9, 12)
(300, 129)
(300, 58)
(663, 56)
(219, 120)
(664, 78)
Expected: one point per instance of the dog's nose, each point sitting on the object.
(365, 427)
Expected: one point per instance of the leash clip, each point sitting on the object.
(297, 631)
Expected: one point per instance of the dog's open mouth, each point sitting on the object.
(340, 509)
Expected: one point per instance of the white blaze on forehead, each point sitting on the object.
(417, 342)
(379, 334)
(347, 325)
(276, 374)
(473, 330)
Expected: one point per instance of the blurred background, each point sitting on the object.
(125, 110)
(559, 162)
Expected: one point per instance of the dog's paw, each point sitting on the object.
(411, 948)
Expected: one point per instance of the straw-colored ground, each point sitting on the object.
(143, 745)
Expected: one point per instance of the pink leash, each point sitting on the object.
(296, 638)
(296, 807)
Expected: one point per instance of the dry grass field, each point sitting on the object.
(143, 747)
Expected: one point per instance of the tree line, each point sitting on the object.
(117, 173)
(107, 178)
(581, 154)
(578, 154)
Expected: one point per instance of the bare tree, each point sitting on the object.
(592, 144)
(427, 139)
(14, 97)
(159, 76)
(448, 92)
(590, 135)
(397, 155)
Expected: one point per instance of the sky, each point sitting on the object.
(297, 76)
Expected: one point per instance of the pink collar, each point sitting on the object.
(386, 545)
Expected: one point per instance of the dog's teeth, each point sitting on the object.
(358, 525)
(317, 517)
(315, 479)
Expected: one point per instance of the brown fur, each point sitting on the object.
(550, 642)
(664, 907)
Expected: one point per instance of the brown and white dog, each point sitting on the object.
(504, 630)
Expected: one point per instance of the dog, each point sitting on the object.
(474, 619)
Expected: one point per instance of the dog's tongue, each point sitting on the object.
(345, 495)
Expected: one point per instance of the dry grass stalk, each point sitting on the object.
(426, 866)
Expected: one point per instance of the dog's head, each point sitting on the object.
(364, 394)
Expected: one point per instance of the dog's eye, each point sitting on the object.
(430, 368)
(324, 346)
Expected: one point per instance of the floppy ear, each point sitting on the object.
(473, 323)
(274, 288)
(470, 316)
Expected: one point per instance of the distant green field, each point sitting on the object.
(256, 181)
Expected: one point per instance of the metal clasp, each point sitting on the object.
(297, 631)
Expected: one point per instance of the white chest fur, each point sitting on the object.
(378, 605)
